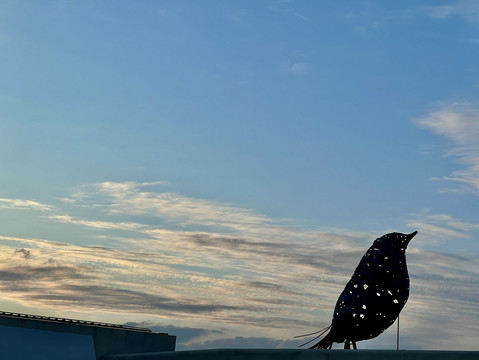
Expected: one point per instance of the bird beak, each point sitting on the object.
(410, 236)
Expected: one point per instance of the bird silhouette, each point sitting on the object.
(372, 300)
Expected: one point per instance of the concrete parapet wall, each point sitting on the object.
(112, 341)
(297, 354)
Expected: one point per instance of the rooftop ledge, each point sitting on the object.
(299, 354)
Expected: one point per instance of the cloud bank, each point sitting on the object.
(240, 276)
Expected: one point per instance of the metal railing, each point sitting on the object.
(72, 321)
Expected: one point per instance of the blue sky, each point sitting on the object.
(218, 168)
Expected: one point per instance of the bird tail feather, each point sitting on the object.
(324, 343)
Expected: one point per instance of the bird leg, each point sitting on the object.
(348, 343)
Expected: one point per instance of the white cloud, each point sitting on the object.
(24, 204)
(459, 123)
(468, 9)
(130, 198)
(441, 11)
(98, 224)
(439, 228)
(300, 69)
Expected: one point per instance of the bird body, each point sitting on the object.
(374, 296)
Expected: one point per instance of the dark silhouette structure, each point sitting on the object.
(25, 336)
(375, 295)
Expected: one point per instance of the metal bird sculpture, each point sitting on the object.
(375, 295)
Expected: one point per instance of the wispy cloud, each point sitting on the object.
(23, 204)
(130, 198)
(297, 68)
(442, 227)
(459, 123)
(300, 68)
(244, 342)
(287, 7)
(442, 11)
(106, 225)
(468, 9)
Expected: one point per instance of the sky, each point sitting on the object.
(216, 169)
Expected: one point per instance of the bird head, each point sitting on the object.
(395, 241)
(408, 237)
